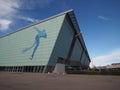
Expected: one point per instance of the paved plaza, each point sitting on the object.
(37, 81)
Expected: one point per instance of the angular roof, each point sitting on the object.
(69, 12)
(72, 17)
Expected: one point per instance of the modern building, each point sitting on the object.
(38, 47)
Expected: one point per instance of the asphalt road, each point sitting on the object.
(37, 81)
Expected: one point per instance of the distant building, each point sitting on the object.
(114, 66)
(38, 47)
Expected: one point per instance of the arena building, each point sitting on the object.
(40, 46)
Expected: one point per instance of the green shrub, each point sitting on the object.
(93, 72)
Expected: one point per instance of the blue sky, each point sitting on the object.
(99, 21)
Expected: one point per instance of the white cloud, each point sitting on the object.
(7, 10)
(27, 19)
(107, 59)
(7, 7)
(31, 4)
(4, 24)
(103, 18)
(10, 8)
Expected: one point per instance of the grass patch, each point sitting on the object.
(94, 72)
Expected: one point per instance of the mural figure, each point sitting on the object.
(40, 34)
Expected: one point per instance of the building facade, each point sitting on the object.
(38, 47)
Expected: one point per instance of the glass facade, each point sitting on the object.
(77, 51)
(63, 43)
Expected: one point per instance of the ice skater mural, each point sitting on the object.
(40, 34)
